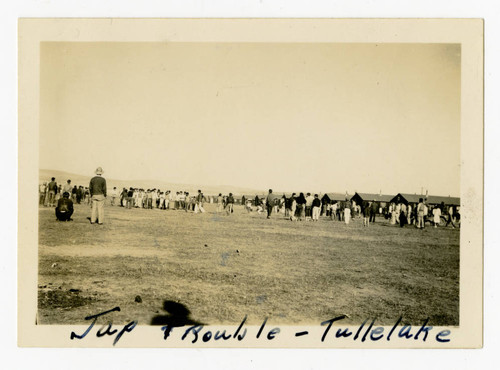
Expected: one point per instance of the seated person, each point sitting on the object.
(64, 208)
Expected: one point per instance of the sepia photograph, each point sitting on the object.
(189, 184)
(288, 181)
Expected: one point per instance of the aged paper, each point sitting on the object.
(176, 62)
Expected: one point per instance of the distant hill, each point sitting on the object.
(62, 177)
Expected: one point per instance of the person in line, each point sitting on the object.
(366, 213)
(287, 203)
(130, 198)
(188, 202)
(162, 200)
(293, 207)
(220, 203)
(308, 210)
(182, 200)
(123, 198)
(301, 204)
(347, 213)
(397, 213)
(79, 194)
(333, 210)
(340, 210)
(114, 194)
(64, 208)
(67, 187)
(135, 198)
(392, 212)
(168, 198)
(403, 219)
(457, 216)
(86, 195)
(52, 186)
(451, 217)
(229, 204)
(270, 203)
(258, 204)
(149, 199)
(176, 201)
(409, 212)
(97, 190)
(41, 193)
(198, 207)
(316, 208)
(154, 195)
(140, 199)
(436, 212)
(276, 205)
(58, 193)
(420, 214)
(373, 211)
(73, 194)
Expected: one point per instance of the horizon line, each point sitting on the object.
(265, 191)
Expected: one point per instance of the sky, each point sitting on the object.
(288, 116)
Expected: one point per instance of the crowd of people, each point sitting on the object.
(63, 197)
(309, 207)
(157, 199)
(50, 193)
(420, 213)
(301, 207)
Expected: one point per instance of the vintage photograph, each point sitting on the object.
(205, 182)
(318, 182)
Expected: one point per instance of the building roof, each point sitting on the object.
(336, 196)
(437, 199)
(377, 197)
(431, 199)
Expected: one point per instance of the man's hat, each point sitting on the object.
(99, 171)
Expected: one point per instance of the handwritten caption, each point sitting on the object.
(367, 331)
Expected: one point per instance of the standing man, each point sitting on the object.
(52, 192)
(420, 214)
(220, 205)
(229, 204)
(79, 192)
(309, 202)
(199, 203)
(114, 194)
(97, 190)
(73, 193)
(42, 191)
(316, 208)
(374, 210)
(451, 217)
(270, 203)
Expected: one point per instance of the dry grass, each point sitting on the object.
(293, 273)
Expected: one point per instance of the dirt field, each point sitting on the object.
(222, 268)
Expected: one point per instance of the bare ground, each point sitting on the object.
(222, 268)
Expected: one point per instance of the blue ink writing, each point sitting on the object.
(301, 333)
(105, 329)
(443, 333)
(330, 322)
(425, 329)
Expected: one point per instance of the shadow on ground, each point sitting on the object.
(177, 315)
